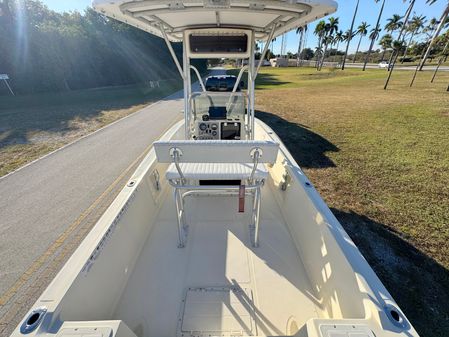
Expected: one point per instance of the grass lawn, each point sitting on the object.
(32, 126)
(380, 159)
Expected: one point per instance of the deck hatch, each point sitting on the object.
(345, 330)
(217, 311)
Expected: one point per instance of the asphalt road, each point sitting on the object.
(42, 200)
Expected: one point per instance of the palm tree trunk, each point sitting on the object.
(408, 45)
(358, 47)
(435, 35)
(396, 52)
(416, 69)
(373, 40)
(440, 61)
(383, 54)
(350, 37)
(393, 57)
(317, 64)
(322, 59)
(298, 58)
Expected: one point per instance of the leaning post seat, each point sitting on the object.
(218, 161)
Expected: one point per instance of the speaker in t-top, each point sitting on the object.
(218, 43)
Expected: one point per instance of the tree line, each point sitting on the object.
(45, 51)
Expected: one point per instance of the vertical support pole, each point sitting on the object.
(187, 91)
(265, 50)
(170, 49)
(180, 216)
(257, 218)
(252, 86)
(185, 74)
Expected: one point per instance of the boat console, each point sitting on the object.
(218, 130)
(219, 116)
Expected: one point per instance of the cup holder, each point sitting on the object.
(33, 320)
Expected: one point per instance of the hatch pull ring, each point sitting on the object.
(33, 320)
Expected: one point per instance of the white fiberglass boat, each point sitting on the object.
(219, 232)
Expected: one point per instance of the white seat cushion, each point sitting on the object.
(216, 171)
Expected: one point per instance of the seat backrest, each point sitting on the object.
(216, 151)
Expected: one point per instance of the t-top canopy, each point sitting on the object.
(175, 16)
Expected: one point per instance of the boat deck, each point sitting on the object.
(218, 284)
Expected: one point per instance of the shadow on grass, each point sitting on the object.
(55, 112)
(262, 79)
(268, 79)
(307, 147)
(418, 283)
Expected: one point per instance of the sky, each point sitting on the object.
(368, 12)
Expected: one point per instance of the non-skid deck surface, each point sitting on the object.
(218, 284)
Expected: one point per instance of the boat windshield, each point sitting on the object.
(219, 105)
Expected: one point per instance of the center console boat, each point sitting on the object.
(218, 232)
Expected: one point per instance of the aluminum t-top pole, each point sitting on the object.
(172, 52)
(187, 91)
(252, 86)
(185, 74)
(265, 50)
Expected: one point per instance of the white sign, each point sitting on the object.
(4, 77)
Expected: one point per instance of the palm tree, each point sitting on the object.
(350, 35)
(320, 31)
(362, 30)
(374, 34)
(302, 31)
(374, 37)
(333, 25)
(330, 28)
(441, 24)
(444, 56)
(386, 42)
(339, 37)
(414, 27)
(399, 44)
(394, 23)
(431, 27)
(327, 41)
